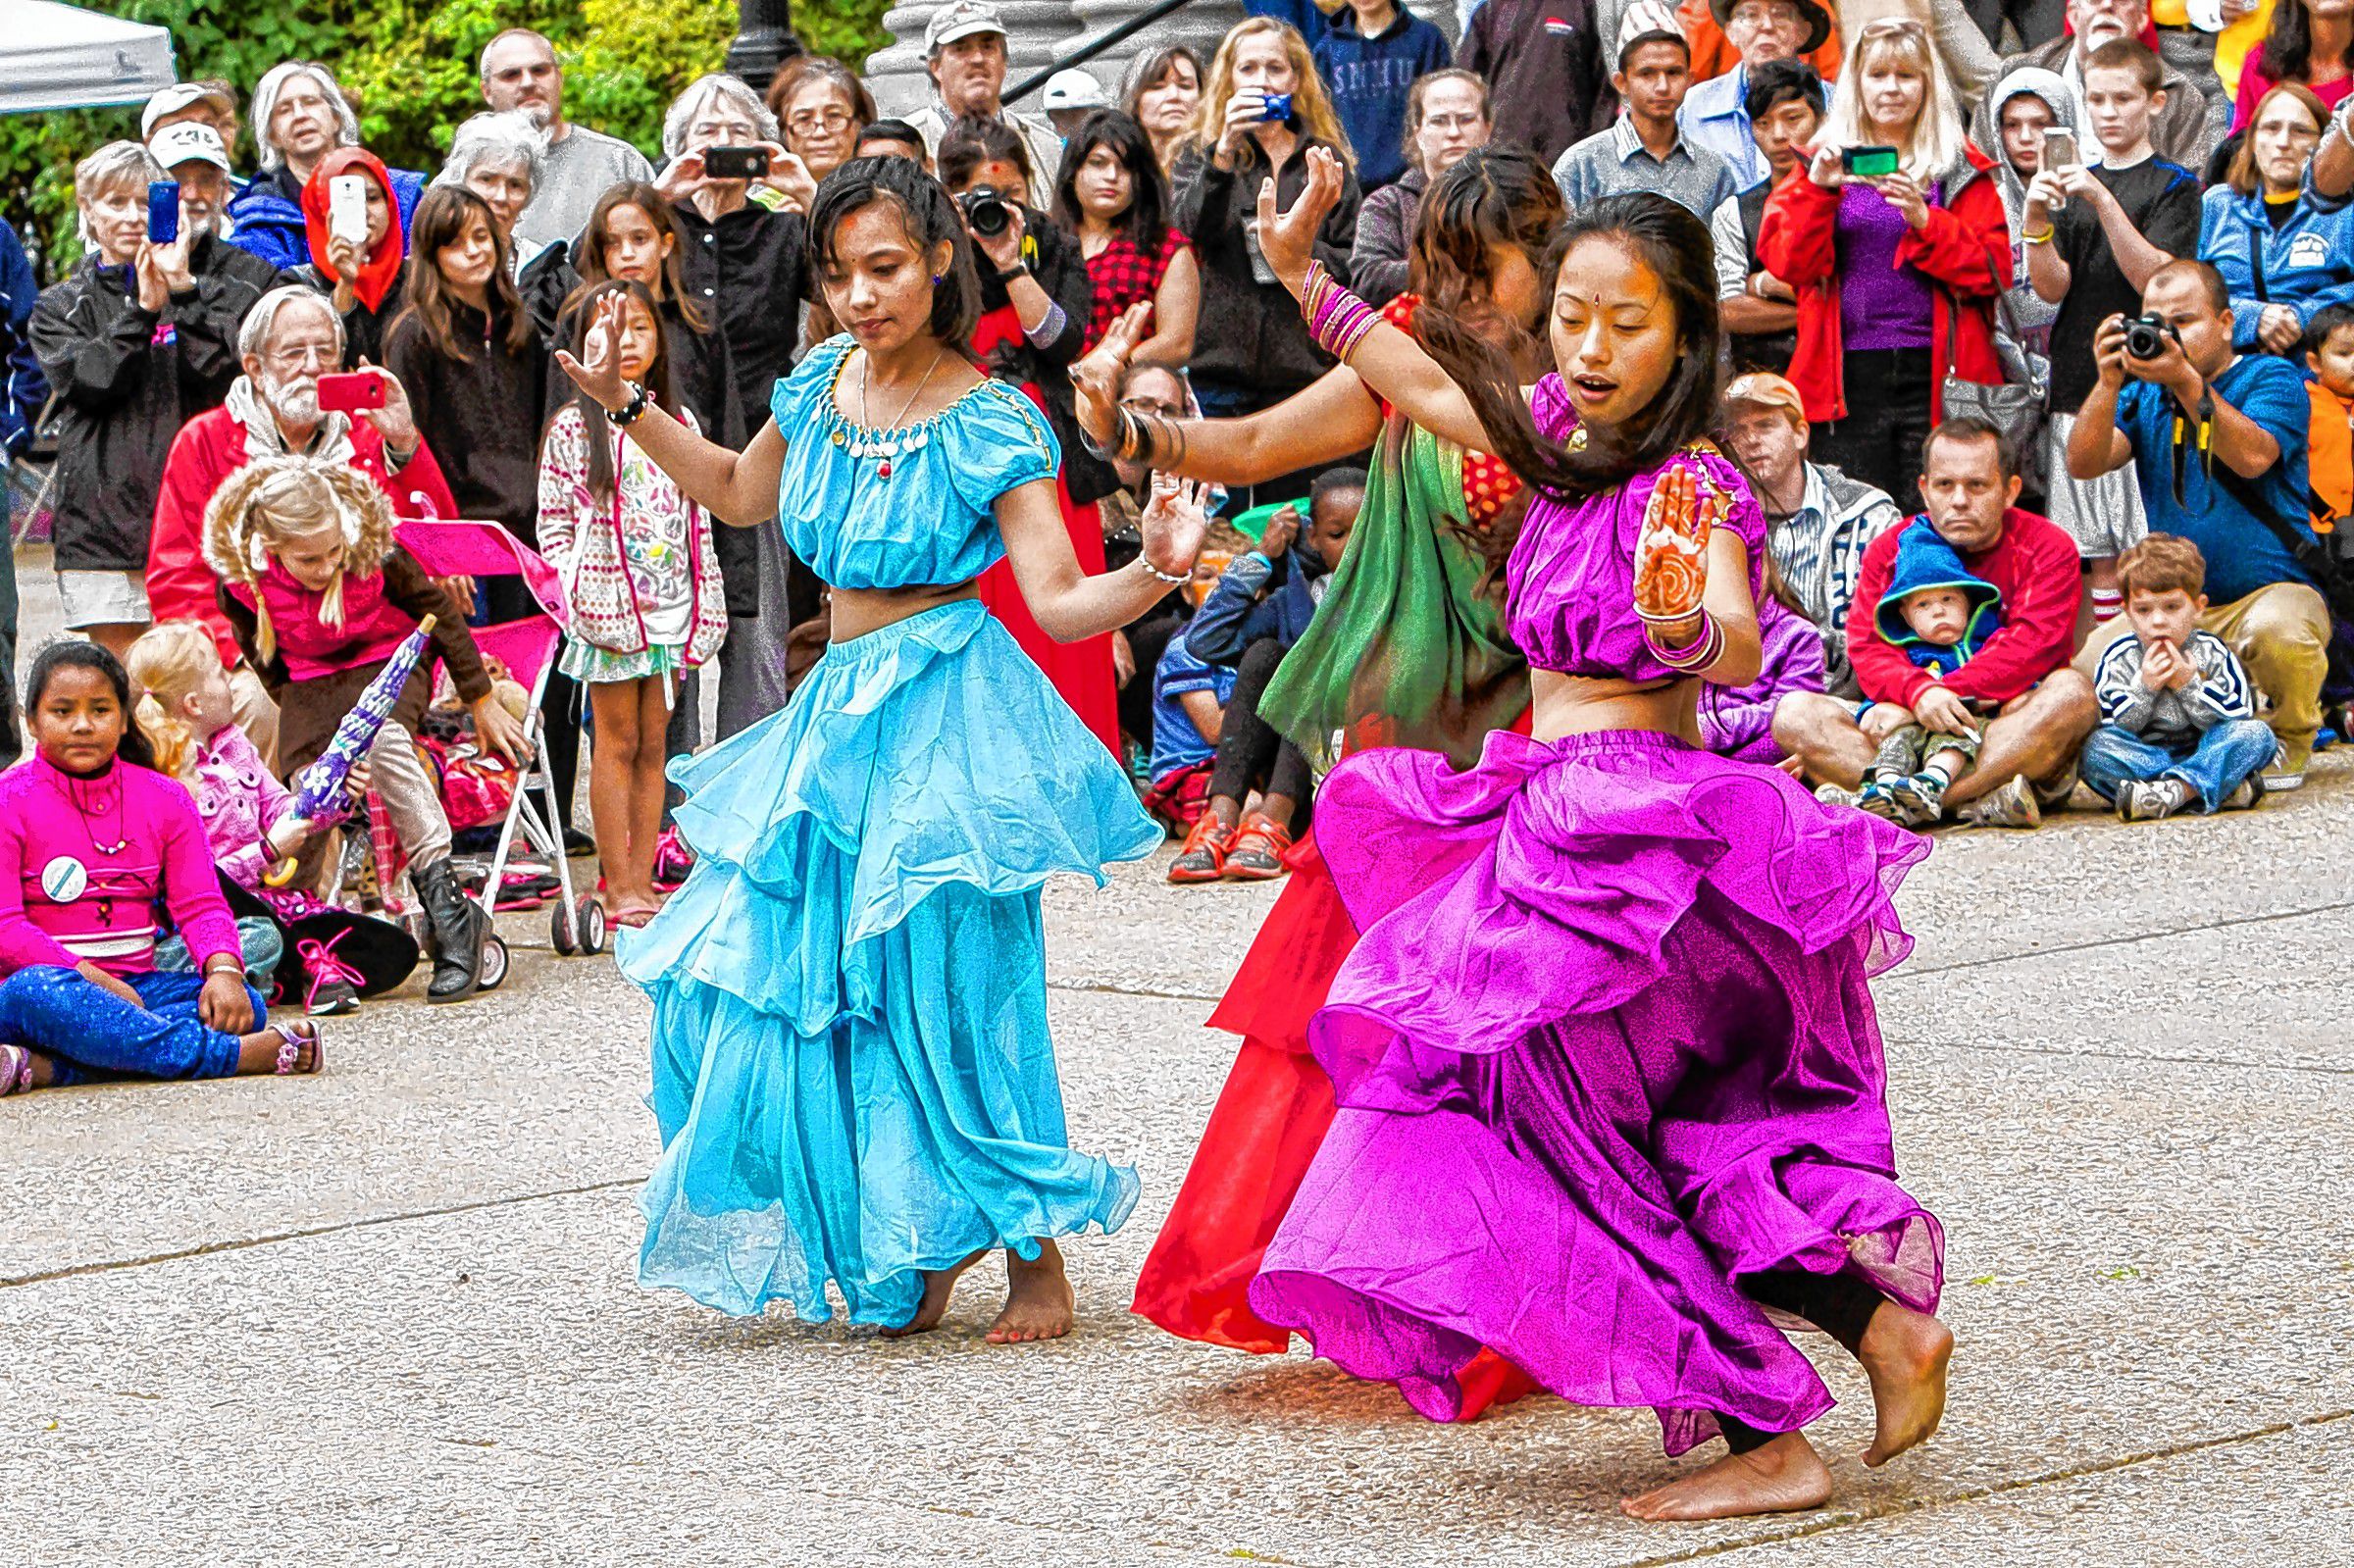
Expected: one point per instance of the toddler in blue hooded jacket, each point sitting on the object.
(1941, 615)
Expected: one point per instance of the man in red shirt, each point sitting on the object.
(2018, 693)
(289, 338)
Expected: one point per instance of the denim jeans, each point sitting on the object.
(257, 935)
(2225, 755)
(95, 1036)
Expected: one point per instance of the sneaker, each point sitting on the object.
(673, 860)
(1256, 853)
(2149, 800)
(1877, 801)
(2248, 797)
(1204, 857)
(578, 844)
(2011, 806)
(330, 997)
(1831, 794)
(1921, 798)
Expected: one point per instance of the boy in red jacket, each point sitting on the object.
(2041, 709)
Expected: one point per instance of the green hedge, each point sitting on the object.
(409, 68)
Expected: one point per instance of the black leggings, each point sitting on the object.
(1887, 420)
(1841, 1305)
(1249, 751)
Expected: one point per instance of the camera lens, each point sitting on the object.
(986, 212)
(2144, 338)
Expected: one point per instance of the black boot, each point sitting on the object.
(458, 927)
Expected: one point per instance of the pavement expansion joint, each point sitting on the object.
(2127, 939)
(1897, 1510)
(366, 1222)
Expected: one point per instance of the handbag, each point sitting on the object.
(2018, 410)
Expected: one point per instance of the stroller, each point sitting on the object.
(528, 648)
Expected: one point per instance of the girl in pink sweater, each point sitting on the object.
(92, 840)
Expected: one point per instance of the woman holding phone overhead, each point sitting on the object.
(357, 247)
(1895, 239)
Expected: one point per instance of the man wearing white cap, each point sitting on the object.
(964, 54)
(1069, 97)
(191, 153)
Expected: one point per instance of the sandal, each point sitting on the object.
(1204, 857)
(292, 1038)
(16, 1070)
(1257, 854)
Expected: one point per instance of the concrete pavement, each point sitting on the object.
(388, 1313)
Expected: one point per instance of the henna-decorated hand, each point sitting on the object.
(1671, 555)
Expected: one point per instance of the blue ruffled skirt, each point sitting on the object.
(852, 1068)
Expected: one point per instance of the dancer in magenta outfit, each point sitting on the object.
(1611, 997)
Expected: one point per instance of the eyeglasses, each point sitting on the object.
(809, 120)
(302, 356)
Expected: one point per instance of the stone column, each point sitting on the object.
(1198, 26)
(1036, 31)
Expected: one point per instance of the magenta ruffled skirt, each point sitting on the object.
(1606, 1046)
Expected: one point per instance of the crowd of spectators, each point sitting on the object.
(2038, 335)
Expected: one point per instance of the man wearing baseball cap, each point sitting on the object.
(1069, 97)
(964, 54)
(1716, 111)
(197, 103)
(1817, 520)
(191, 153)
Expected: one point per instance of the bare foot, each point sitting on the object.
(258, 1052)
(1784, 1476)
(1038, 1300)
(938, 1286)
(1904, 1355)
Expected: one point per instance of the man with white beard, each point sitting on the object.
(520, 72)
(290, 339)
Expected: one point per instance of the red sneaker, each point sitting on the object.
(1256, 853)
(1204, 857)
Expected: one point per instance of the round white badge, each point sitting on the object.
(64, 880)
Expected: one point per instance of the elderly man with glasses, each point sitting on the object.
(520, 72)
(290, 339)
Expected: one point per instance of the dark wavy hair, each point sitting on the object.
(928, 217)
(589, 258)
(2289, 45)
(1674, 244)
(72, 653)
(1494, 197)
(439, 219)
(972, 140)
(1146, 220)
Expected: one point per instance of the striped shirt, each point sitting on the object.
(2174, 718)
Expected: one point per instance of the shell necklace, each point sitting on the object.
(885, 442)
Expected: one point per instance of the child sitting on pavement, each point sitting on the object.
(2179, 725)
(1941, 615)
(1261, 606)
(1188, 713)
(2329, 446)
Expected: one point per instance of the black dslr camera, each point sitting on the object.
(986, 211)
(2146, 337)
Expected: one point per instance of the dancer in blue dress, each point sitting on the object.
(852, 1066)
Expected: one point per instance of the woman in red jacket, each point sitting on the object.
(1896, 274)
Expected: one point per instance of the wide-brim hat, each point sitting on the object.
(1817, 19)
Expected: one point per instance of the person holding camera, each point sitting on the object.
(1263, 108)
(741, 250)
(2093, 238)
(1037, 300)
(1896, 244)
(2217, 441)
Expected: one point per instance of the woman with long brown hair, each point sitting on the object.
(475, 371)
(1165, 87)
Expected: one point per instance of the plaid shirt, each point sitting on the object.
(1123, 275)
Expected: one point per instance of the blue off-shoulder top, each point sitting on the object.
(929, 521)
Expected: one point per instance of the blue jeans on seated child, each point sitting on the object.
(95, 1036)
(2223, 757)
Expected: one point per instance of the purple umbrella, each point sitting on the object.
(322, 785)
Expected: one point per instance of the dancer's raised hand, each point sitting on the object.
(1288, 239)
(1096, 375)
(600, 375)
(1174, 523)
(1672, 554)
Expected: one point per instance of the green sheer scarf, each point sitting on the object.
(1409, 646)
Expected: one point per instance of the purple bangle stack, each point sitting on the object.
(1336, 319)
(1694, 656)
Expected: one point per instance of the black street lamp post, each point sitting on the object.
(764, 42)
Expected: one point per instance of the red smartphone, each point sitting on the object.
(351, 393)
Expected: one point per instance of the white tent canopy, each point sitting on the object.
(61, 57)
